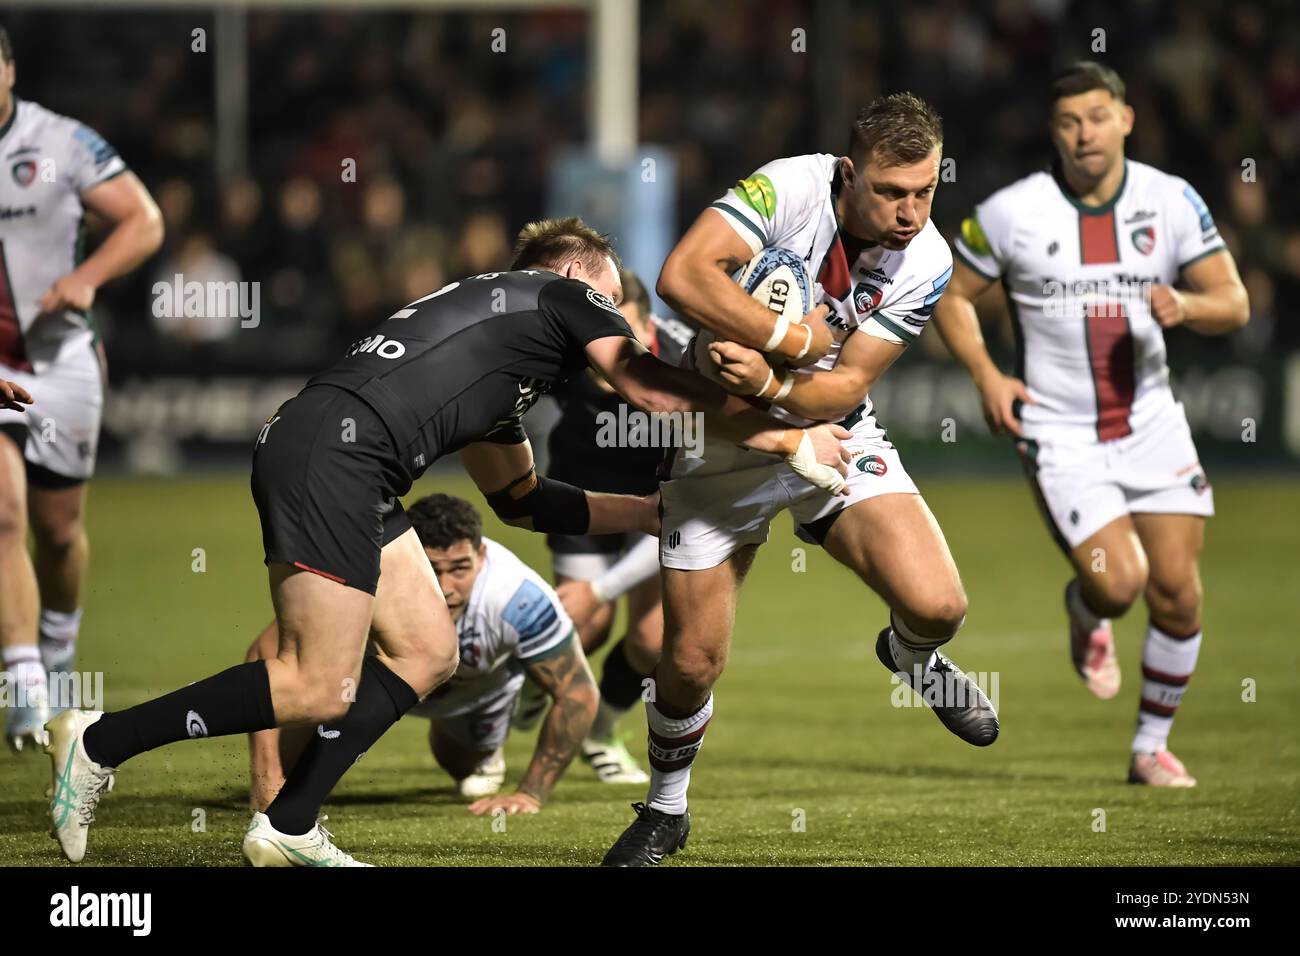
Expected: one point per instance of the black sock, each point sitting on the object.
(382, 698)
(620, 684)
(236, 701)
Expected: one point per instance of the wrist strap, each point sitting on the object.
(778, 333)
(807, 342)
(787, 383)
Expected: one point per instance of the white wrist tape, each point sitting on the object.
(787, 383)
(804, 463)
(807, 343)
(770, 375)
(778, 333)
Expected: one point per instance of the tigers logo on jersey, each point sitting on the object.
(866, 297)
(1144, 239)
(873, 464)
(24, 172)
(758, 193)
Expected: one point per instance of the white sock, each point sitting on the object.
(58, 638)
(607, 716)
(673, 746)
(1080, 611)
(24, 673)
(1167, 665)
(909, 649)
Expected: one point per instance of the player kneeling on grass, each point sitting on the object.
(509, 624)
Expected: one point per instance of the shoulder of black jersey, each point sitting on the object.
(566, 291)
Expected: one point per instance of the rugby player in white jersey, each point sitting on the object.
(861, 224)
(509, 624)
(53, 170)
(1088, 254)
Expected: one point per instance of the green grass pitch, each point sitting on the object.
(806, 761)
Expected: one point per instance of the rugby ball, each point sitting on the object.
(778, 279)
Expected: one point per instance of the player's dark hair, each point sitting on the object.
(1083, 76)
(551, 242)
(899, 129)
(441, 520)
(6, 47)
(635, 293)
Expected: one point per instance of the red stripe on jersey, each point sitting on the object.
(1110, 353)
(13, 350)
(1097, 242)
(834, 273)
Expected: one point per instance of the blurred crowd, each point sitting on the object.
(450, 140)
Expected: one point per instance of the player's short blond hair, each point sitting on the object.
(552, 242)
(899, 129)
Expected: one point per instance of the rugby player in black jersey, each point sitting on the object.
(452, 372)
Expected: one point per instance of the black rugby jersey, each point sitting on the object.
(472, 358)
(576, 453)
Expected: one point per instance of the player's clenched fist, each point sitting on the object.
(998, 395)
(13, 396)
(740, 369)
(820, 342)
(511, 803)
(68, 292)
(1168, 307)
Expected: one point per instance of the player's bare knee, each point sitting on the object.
(938, 615)
(696, 670)
(1175, 603)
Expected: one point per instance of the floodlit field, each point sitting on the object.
(806, 761)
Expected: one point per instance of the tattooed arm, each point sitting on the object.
(569, 681)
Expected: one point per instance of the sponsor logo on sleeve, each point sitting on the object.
(1202, 210)
(758, 193)
(972, 233)
(598, 300)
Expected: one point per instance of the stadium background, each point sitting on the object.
(457, 146)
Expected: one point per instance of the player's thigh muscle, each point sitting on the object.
(411, 626)
(1112, 566)
(699, 615)
(13, 489)
(895, 546)
(1173, 544)
(323, 626)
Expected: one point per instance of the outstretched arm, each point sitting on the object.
(568, 680)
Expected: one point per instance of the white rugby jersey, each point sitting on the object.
(888, 293)
(512, 620)
(1078, 283)
(47, 162)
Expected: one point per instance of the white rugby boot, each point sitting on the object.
(264, 845)
(79, 782)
